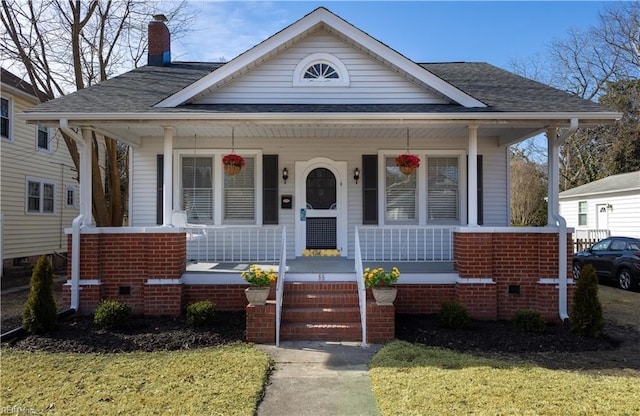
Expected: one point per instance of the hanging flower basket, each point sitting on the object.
(407, 163)
(232, 164)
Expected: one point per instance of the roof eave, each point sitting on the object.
(588, 118)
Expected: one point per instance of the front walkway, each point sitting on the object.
(314, 378)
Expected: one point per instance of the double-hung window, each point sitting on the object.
(5, 119)
(429, 195)
(400, 194)
(442, 188)
(197, 189)
(210, 196)
(42, 138)
(582, 213)
(240, 194)
(40, 196)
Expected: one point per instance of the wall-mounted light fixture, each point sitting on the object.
(356, 174)
(285, 175)
(609, 207)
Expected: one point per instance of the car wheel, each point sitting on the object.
(577, 268)
(624, 279)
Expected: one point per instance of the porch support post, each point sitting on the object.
(472, 174)
(167, 201)
(553, 175)
(86, 194)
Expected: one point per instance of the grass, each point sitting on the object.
(213, 381)
(620, 306)
(416, 380)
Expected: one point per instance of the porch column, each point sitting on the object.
(167, 191)
(553, 175)
(86, 194)
(472, 174)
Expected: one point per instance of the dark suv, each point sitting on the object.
(613, 258)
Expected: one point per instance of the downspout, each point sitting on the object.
(562, 234)
(75, 262)
(562, 266)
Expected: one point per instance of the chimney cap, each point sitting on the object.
(160, 18)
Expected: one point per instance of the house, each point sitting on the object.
(608, 206)
(39, 190)
(319, 112)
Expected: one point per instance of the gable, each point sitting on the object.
(320, 19)
(358, 79)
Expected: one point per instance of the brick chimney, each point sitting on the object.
(159, 42)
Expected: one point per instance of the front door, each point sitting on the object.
(321, 206)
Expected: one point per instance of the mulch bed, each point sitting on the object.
(618, 349)
(78, 334)
(496, 337)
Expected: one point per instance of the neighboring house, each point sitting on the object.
(608, 206)
(39, 189)
(319, 112)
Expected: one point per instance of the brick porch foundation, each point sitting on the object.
(499, 274)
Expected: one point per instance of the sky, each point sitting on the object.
(423, 31)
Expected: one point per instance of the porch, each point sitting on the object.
(492, 271)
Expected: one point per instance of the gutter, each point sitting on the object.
(170, 116)
(573, 126)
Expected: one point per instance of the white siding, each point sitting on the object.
(291, 150)
(494, 168)
(23, 234)
(623, 217)
(272, 82)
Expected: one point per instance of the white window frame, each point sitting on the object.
(41, 183)
(73, 189)
(321, 58)
(9, 120)
(421, 185)
(46, 149)
(583, 214)
(218, 181)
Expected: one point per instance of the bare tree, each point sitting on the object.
(587, 62)
(527, 208)
(64, 46)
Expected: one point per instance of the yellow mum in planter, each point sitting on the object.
(378, 277)
(258, 277)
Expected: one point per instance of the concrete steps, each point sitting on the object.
(323, 311)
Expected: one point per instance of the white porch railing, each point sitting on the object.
(282, 269)
(406, 243)
(233, 243)
(362, 291)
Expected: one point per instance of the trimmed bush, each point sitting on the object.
(529, 321)
(586, 313)
(40, 312)
(111, 314)
(454, 315)
(200, 314)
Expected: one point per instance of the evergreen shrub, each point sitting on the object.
(586, 312)
(40, 312)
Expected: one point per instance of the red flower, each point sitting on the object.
(233, 160)
(410, 161)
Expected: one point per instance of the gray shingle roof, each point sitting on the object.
(18, 83)
(139, 90)
(615, 183)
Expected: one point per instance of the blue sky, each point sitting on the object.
(424, 31)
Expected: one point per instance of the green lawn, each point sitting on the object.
(416, 380)
(212, 381)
